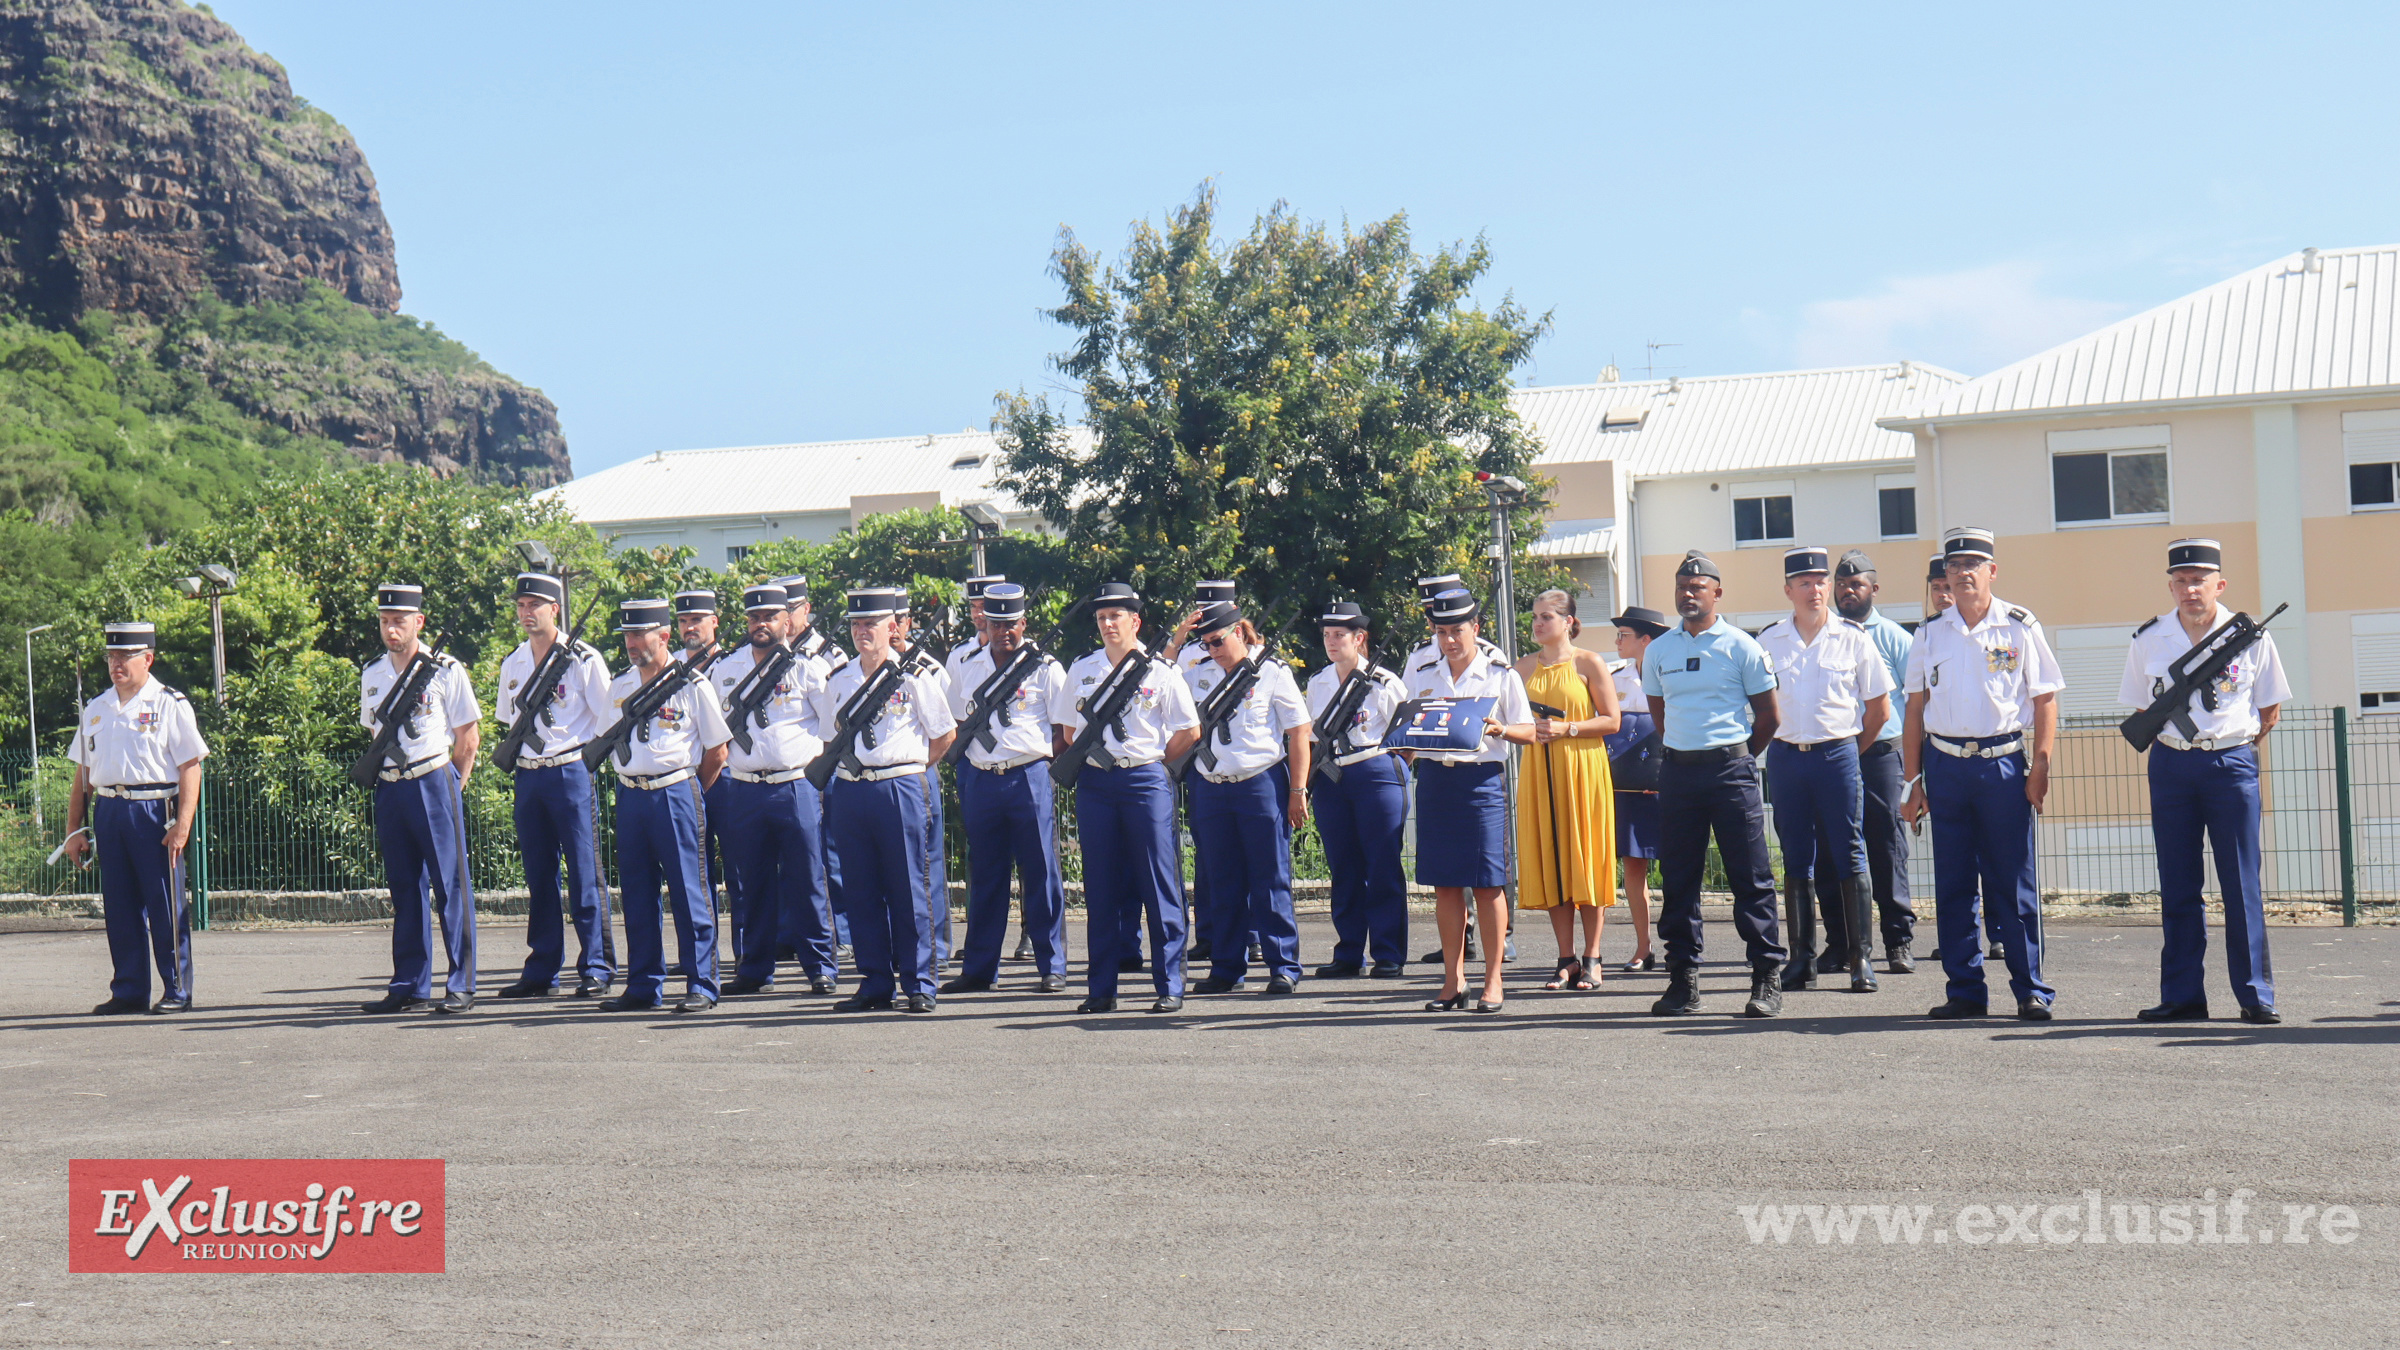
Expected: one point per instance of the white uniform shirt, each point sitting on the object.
(1021, 726)
(961, 654)
(687, 723)
(581, 709)
(904, 729)
(1821, 687)
(1272, 708)
(1190, 659)
(1627, 676)
(143, 740)
(1374, 715)
(2255, 680)
(830, 656)
(1432, 651)
(1488, 676)
(448, 702)
(789, 739)
(1980, 683)
(1162, 707)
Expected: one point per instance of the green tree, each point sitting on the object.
(918, 549)
(1303, 410)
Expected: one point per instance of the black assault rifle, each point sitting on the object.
(2195, 672)
(1325, 748)
(643, 704)
(1102, 712)
(541, 689)
(854, 719)
(990, 699)
(397, 710)
(1216, 713)
(749, 698)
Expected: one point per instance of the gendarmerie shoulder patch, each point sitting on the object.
(2147, 625)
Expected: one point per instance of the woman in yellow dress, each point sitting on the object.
(1566, 826)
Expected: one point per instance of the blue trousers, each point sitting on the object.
(1983, 833)
(937, 861)
(421, 824)
(1125, 819)
(879, 830)
(1694, 800)
(556, 822)
(1245, 829)
(141, 898)
(774, 871)
(1361, 820)
(1011, 821)
(658, 845)
(1887, 855)
(1816, 792)
(2211, 792)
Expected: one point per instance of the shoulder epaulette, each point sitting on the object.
(1772, 627)
(1854, 623)
(1386, 676)
(2147, 625)
(2021, 615)
(174, 693)
(1427, 666)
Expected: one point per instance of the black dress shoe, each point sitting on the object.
(695, 1003)
(741, 986)
(819, 986)
(1682, 996)
(2265, 1017)
(170, 1005)
(1130, 965)
(1800, 975)
(1827, 963)
(1197, 950)
(392, 1003)
(784, 953)
(861, 1003)
(1386, 970)
(1862, 976)
(1434, 958)
(1999, 952)
(628, 1003)
(963, 985)
(1338, 971)
(2033, 1010)
(1213, 985)
(1766, 997)
(1051, 984)
(1024, 951)
(591, 988)
(118, 1007)
(527, 989)
(1098, 1003)
(1279, 985)
(920, 1003)
(1898, 961)
(1253, 955)
(1169, 1004)
(2175, 1012)
(1955, 1008)
(455, 1003)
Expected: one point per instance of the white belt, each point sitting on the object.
(1356, 756)
(2011, 743)
(770, 776)
(654, 782)
(877, 775)
(417, 770)
(143, 792)
(559, 760)
(1237, 777)
(2204, 743)
(1124, 764)
(1007, 765)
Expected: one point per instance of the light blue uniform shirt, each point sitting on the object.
(1892, 640)
(1706, 682)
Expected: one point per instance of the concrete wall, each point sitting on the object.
(1834, 507)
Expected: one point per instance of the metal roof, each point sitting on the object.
(1730, 423)
(2312, 322)
(1598, 541)
(779, 480)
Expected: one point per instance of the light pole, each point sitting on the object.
(984, 521)
(33, 744)
(216, 581)
(1504, 493)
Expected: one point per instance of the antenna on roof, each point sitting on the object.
(1650, 367)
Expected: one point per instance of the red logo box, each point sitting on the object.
(187, 1216)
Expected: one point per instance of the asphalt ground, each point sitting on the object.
(1335, 1168)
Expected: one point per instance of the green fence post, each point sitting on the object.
(2341, 814)
(197, 850)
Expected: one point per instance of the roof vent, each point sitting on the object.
(1674, 384)
(2311, 260)
(1624, 419)
(1609, 374)
(968, 459)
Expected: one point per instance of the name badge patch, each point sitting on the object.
(1691, 663)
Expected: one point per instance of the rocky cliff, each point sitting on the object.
(150, 162)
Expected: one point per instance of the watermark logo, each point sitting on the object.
(238, 1215)
(2239, 1219)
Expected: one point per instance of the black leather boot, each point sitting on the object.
(1858, 903)
(1800, 932)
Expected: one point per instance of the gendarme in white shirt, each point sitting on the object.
(1253, 738)
(1020, 729)
(143, 741)
(1488, 675)
(448, 701)
(1374, 717)
(2255, 680)
(903, 730)
(1980, 682)
(1821, 686)
(580, 710)
(787, 739)
(686, 724)
(1161, 707)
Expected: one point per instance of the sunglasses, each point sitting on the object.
(1213, 643)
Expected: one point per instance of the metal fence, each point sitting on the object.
(292, 839)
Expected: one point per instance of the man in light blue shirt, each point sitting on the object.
(1854, 589)
(1713, 699)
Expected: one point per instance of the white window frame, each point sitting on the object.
(1887, 482)
(2383, 630)
(1742, 492)
(2371, 437)
(2149, 440)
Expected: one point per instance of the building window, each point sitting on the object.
(2371, 486)
(2371, 443)
(1762, 513)
(734, 553)
(2117, 487)
(1899, 508)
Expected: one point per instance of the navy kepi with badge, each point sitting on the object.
(1343, 614)
(1935, 571)
(1967, 543)
(1216, 616)
(695, 602)
(1453, 606)
(541, 586)
(978, 587)
(1115, 595)
(1429, 587)
(877, 602)
(1212, 593)
(132, 637)
(1004, 601)
(2206, 553)
(795, 588)
(768, 596)
(1799, 562)
(636, 616)
(400, 598)
(1854, 564)
(1697, 564)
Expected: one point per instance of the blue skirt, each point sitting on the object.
(1462, 824)
(1637, 824)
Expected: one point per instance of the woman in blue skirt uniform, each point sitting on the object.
(1462, 797)
(1633, 763)
(1360, 794)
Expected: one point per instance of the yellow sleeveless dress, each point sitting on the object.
(1575, 862)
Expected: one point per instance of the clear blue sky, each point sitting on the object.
(722, 224)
